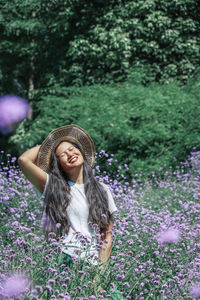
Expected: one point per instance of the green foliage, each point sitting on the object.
(159, 37)
(193, 85)
(145, 127)
(65, 42)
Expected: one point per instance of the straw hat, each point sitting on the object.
(71, 133)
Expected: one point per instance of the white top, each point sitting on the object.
(78, 212)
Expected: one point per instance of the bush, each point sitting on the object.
(96, 42)
(147, 128)
(158, 36)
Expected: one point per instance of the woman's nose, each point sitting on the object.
(69, 153)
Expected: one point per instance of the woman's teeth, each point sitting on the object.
(73, 159)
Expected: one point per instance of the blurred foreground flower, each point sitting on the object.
(47, 224)
(14, 286)
(195, 291)
(13, 110)
(169, 236)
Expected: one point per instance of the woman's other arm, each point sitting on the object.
(105, 251)
(33, 173)
(106, 237)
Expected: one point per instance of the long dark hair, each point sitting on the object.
(58, 197)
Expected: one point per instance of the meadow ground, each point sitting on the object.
(156, 239)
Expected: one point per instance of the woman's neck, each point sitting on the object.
(76, 176)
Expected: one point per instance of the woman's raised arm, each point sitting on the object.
(33, 173)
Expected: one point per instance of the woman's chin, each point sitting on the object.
(73, 166)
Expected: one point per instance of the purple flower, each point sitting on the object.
(14, 285)
(195, 291)
(58, 225)
(13, 110)
(169, 236)
(51, 281)
(46, 223)
(120, 277)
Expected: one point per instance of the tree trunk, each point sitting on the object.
(32, 67)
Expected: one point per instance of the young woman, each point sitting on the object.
(61, 170)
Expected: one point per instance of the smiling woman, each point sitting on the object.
(71, 160)
(74, 201)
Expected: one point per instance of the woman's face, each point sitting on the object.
(69, 156)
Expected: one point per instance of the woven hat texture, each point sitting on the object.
(71, 133)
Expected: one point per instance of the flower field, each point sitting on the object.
(156, 239)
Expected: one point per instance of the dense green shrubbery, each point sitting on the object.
(160, 37)
(145, 127)
(90, 42)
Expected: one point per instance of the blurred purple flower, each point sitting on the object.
(14, 285)
(46, 223)
(13, 110)
(195, 291)
(49, 287)
(169, 236)
(120, 277)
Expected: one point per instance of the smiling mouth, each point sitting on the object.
(73, 159)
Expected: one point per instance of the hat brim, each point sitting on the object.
(71, 133)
